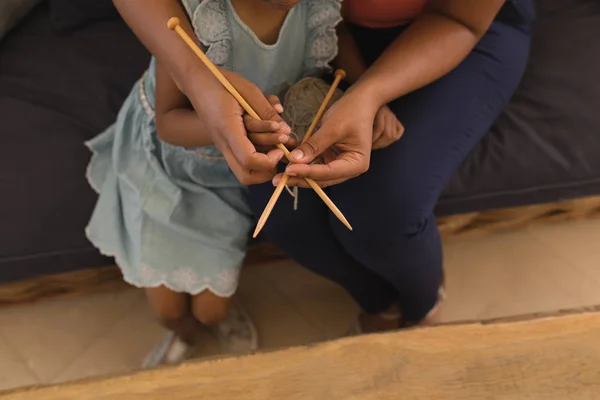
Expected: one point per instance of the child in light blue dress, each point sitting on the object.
(176, 219)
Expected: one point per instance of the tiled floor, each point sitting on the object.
(539, 269)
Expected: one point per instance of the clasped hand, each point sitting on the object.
(349, 131)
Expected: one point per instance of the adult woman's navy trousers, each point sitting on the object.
(394, 253)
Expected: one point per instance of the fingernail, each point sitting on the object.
(279, 156)
(276, 180)
(285, 127)
(283, 138)
(275, 126)
(298, 154)
(279, 108)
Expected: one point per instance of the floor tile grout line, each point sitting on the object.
(93, 341)
(19, 357)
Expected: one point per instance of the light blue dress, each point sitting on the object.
(178, 217)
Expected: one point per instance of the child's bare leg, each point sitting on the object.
(173, 310)
(231, 323)
(210, 309)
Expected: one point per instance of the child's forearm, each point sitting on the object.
(349, 58)
(182, 127)
(176, 121)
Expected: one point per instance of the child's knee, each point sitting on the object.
(168, 306)
(210, 309)
(170, 315)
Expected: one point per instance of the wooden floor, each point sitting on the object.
(547, 358)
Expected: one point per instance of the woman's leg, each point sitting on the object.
(173, 311)
(391, 206)
(306, 236)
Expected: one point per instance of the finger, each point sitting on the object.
(378, 127)
(392, 127)
(347, 165)
(275, 102)
(276, 154)
(258, 177)
(379, 144)
(399, 129)
(257, 126)
(313, 147)
(390, 134)
(244, 176)
(263, 107)
(301, 182)
(383, 142)
(234, 136)
(377, 132)
(268, 139)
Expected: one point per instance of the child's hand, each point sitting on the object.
(386, 129)
(265, 135)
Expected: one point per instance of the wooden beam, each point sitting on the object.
(549, 358)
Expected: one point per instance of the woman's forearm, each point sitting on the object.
(149, 23)
(431, 47)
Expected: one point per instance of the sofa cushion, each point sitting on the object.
(13, 11)
(66, 15)
(545, 145)
(56, 91)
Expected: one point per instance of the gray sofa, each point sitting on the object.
(59, 88)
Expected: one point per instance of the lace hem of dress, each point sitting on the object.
(192, 288)
(322, 48)
(181, 280)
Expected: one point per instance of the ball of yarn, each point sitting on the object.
(302, 101)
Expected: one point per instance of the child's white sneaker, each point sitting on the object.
(171, 350)
(237, 333)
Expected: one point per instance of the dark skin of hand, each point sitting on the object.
(218, 112)
(431, 47)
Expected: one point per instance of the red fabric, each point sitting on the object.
(382, 13)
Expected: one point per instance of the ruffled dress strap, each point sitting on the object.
(322, 48)
(210, 20)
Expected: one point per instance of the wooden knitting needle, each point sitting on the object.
(175, 24)
(339, 75)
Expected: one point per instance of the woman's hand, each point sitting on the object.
(224, 120)
(387, 129)
(217, 110)
(343, 142)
